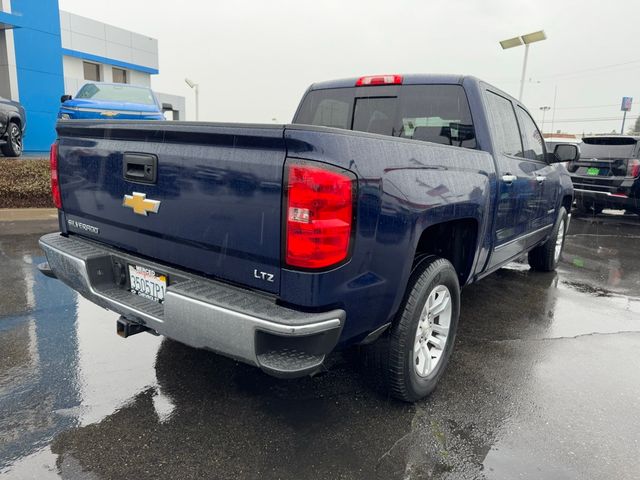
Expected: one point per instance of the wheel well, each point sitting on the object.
(567, 202)
(455, 241)
(16, 120)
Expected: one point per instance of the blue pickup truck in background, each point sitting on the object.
(111, 101)
(354, 226)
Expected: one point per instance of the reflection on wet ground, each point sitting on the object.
(544, 383)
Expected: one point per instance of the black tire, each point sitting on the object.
(13, 147)
(543, 258)
(589, 208)
(393, 355)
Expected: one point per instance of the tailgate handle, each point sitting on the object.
(140, 167)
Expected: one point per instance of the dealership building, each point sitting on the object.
(46, 53)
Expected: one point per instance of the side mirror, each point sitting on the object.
(565, 152)
(64, 98)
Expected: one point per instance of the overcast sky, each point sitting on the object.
(254, 59)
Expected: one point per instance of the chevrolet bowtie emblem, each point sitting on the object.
(108, 113)
(139, 203)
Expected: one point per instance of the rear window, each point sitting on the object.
(608, 147)
(434, 113)
(609, 141)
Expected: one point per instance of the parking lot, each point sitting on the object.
(544, 383)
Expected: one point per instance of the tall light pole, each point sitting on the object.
(544, 109)
(195, 87)
(525, 40)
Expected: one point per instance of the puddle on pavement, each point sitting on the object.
(79, 402)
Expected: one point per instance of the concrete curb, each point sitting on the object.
(25, 214)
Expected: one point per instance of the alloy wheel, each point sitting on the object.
(16, 138)
(432, 331)
(559, 239)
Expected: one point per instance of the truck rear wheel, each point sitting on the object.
(415, 354)
(545, 257)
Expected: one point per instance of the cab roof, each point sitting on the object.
(407, 79)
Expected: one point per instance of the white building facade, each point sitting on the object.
(46, 53)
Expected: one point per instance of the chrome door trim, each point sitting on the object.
(522, 237)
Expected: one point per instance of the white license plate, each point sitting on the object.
(147, 283)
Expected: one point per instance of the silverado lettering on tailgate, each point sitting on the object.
(83, 226)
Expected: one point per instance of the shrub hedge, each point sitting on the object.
(24, 182)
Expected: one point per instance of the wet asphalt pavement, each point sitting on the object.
(544, 382)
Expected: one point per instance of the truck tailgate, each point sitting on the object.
(219, 188)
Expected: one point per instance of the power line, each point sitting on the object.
(629, 64)
(600, 119)
(592, 69)
(588, 106)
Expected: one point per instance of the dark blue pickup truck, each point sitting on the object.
(277, 244)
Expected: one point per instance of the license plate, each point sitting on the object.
(593, 171)
(147, 283)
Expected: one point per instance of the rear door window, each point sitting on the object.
(504, 125)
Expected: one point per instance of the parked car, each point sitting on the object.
(277, 244)
(111, 101)
(13, 122)
(607, 174)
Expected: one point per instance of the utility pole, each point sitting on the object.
(525, 40)
(553, 111)
(524, 70)
(544, 109)
(196, 91)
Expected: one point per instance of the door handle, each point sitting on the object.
(540, 178)
(508, 178)
(140, 167)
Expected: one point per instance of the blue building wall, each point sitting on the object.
(38, 51)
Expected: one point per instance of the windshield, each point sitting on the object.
(117, 93)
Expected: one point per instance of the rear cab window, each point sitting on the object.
(435, 113)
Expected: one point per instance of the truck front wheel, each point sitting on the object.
(545, 257)
(13, 147)
(422, 336)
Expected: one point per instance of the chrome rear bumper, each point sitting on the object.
(242, 324)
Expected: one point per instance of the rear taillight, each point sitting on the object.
(633, 167)
(55, 184)
(319, 216)
(379, 80)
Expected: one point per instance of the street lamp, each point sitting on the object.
(544, 109)
(525, 40)
(195, 87)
